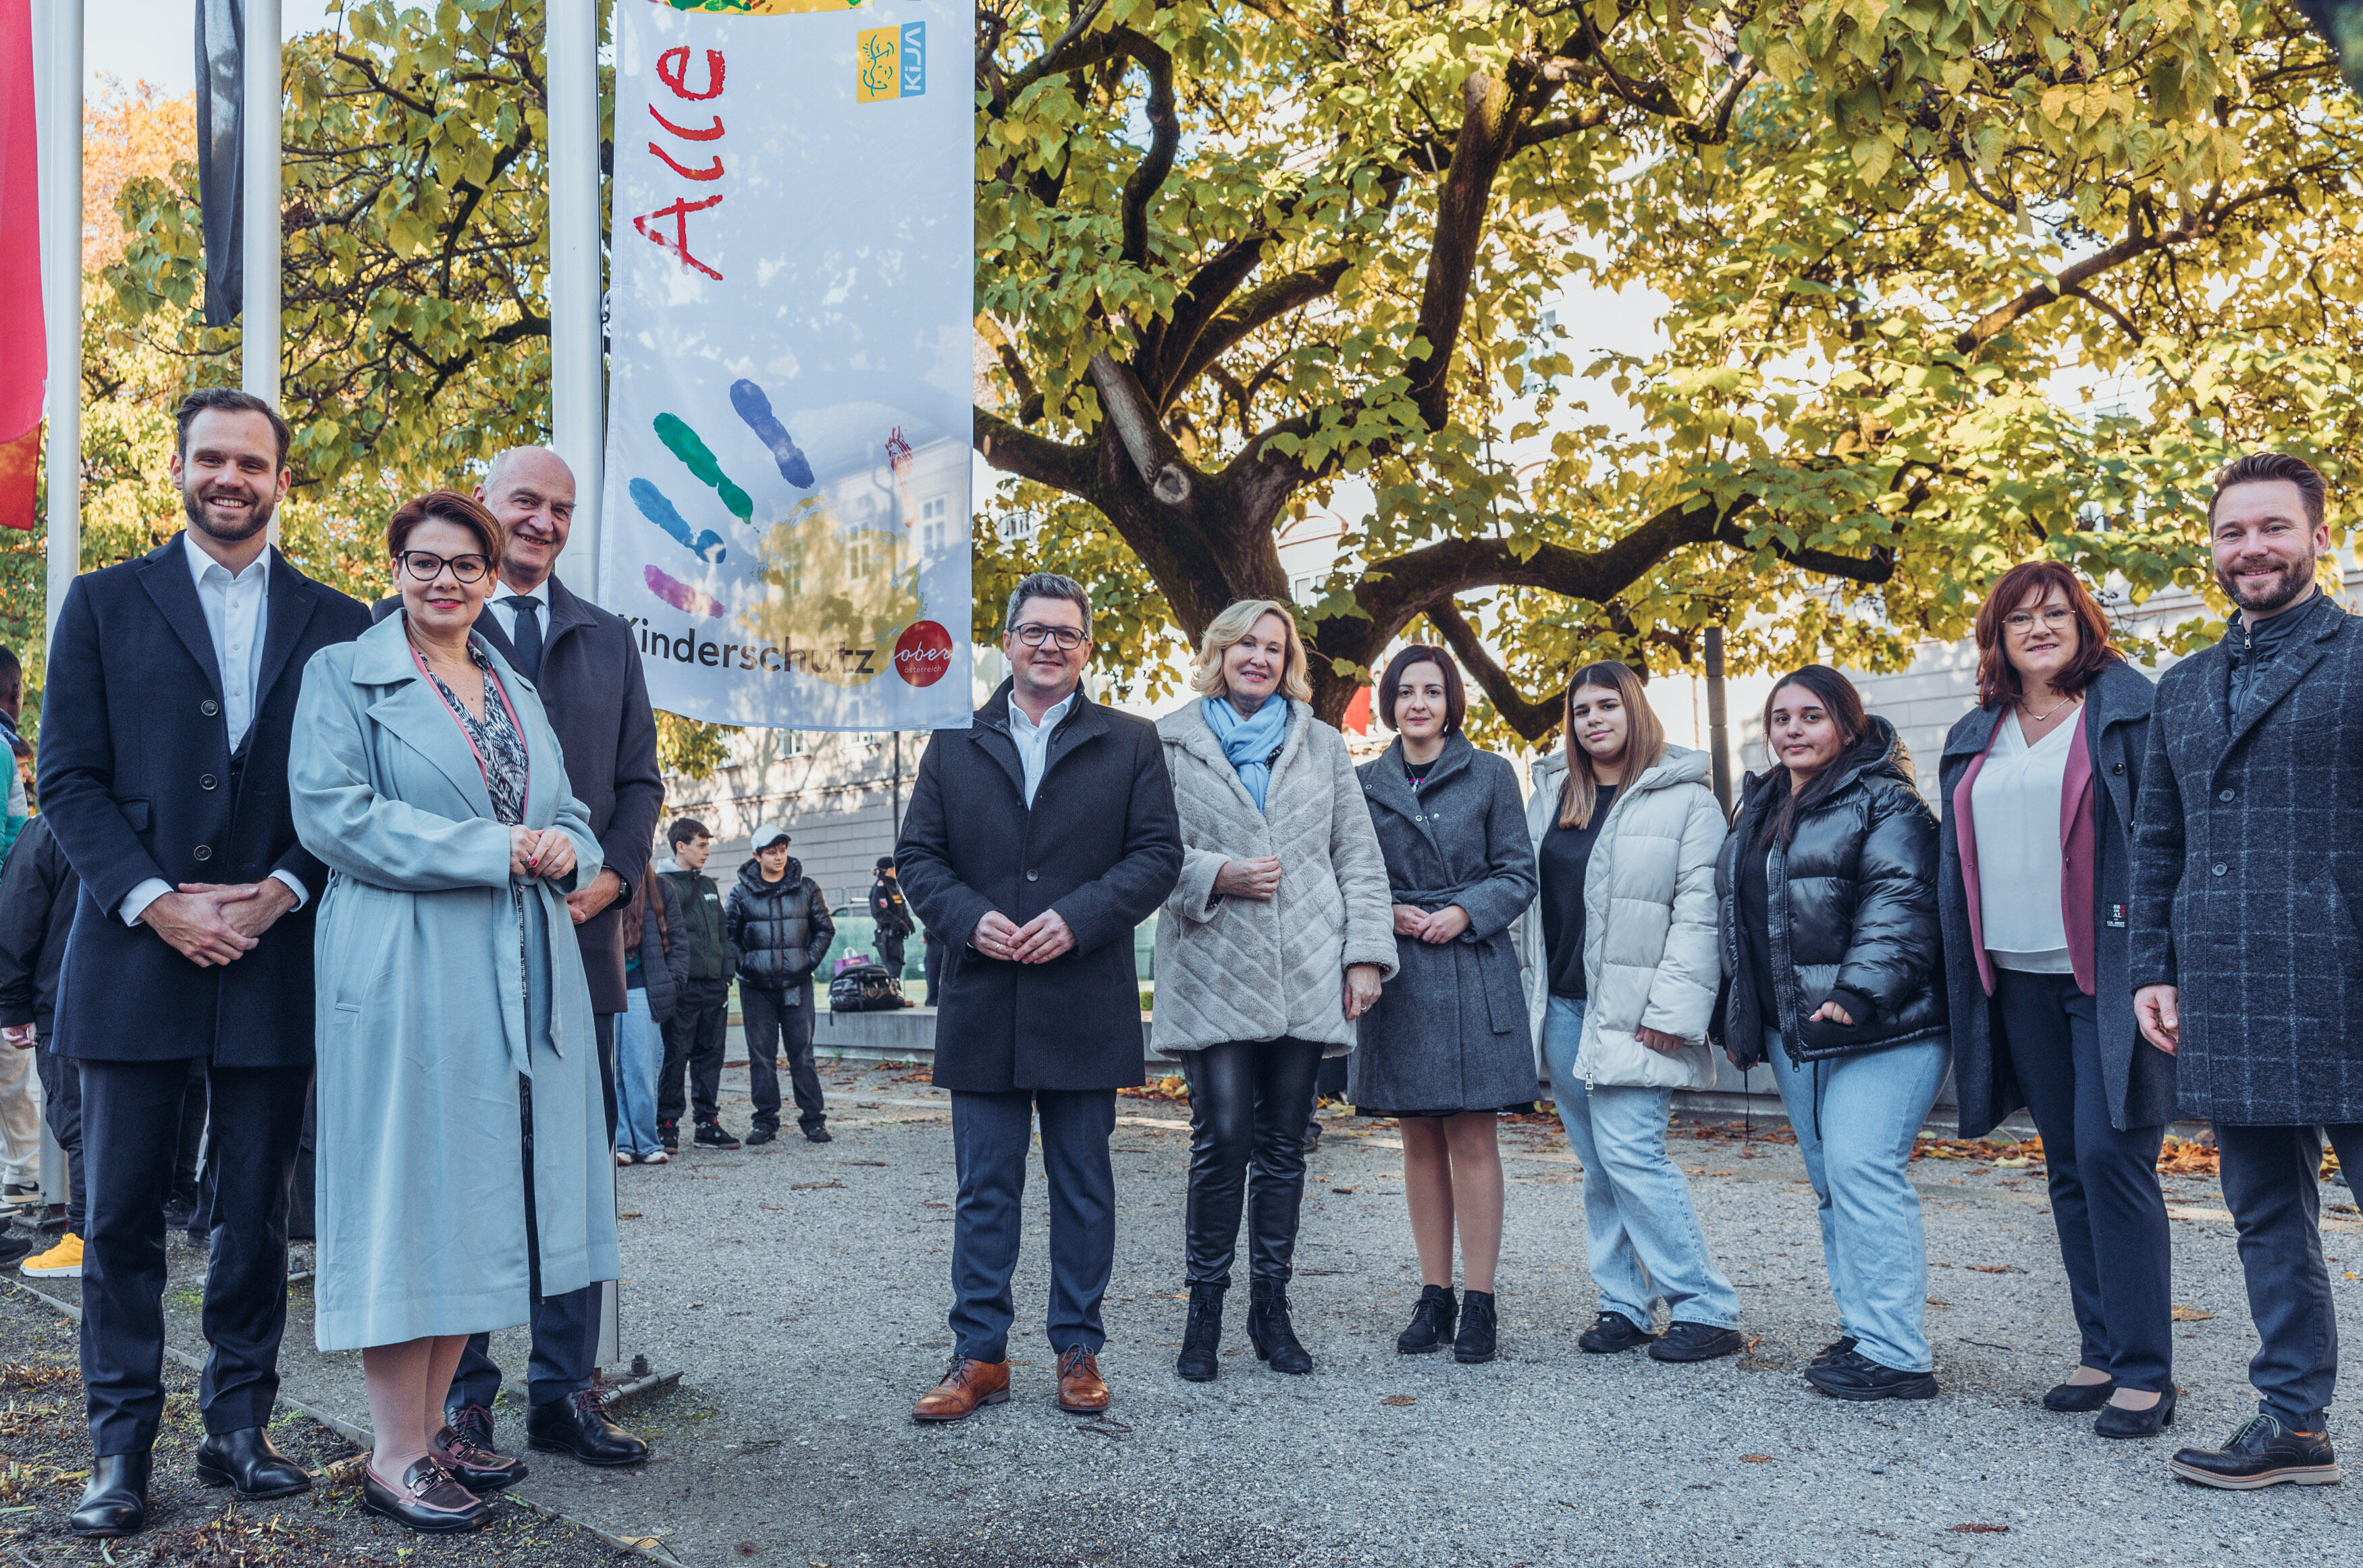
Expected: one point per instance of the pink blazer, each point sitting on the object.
(2079, 858)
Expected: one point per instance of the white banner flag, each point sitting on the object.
(787, 511)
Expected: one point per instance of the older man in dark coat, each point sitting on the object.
(163, 773)
(585, 664)
(1035, 841)
(2248, 935)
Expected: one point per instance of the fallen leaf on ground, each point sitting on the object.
(807, 1186)
(1399, 1399)
(861, 1163)
(1993, 1268)
(1977, 1529)
(2190, 1315)
(1933, 1302)
(1755, 1459)
(1341, 1191)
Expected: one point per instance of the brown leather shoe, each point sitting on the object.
(1079, 1389)
(967, 1383)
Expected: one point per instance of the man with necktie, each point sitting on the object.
(585, 664)
(173, 681)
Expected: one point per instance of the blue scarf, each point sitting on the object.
(1248, 743)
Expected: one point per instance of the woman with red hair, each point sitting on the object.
(2038, 783)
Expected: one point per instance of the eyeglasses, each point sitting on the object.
(1067, 638)
(2055, 618)
(427, 567)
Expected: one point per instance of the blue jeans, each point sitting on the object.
(1855, 1118)
(1641, 1231)
(640, 1046)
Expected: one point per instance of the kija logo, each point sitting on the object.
(889, 63)
(923, 654)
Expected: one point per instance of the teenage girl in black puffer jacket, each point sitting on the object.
(1834, 964)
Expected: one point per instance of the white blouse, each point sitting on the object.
(2014, 811)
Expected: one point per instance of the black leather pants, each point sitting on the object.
(1248, 1101)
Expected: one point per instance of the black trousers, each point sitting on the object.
(779, 1023)
(61, 1109)
(2271, 1184)
(131, 1118)
(565, 1355)
(991, 1135)
(890, 951)
(694, 1037)
(2105, 1201)
(1249, 1100)
(193, 1133)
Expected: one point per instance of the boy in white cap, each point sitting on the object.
(779, 931)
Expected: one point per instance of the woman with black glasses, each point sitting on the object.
(461, 1107)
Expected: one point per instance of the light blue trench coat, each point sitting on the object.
(430, 1008)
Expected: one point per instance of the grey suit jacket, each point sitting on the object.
(2247, 886)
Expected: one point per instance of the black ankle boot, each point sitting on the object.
(1204, 1336)
(1273, 1334)
(1431, 1321)
(1475, 1340)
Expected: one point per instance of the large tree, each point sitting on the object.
(1234, 256)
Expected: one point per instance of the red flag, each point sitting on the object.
(1357, 713)
(24, 351)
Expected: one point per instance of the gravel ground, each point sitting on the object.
(801, 1291)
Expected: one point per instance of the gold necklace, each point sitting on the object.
(2044, 716)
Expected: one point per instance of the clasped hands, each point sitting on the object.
(211, 923)
(1442, 926)
(1038, 941)
(549, 853)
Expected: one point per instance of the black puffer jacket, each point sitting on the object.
(779, 931)
(1853, 905)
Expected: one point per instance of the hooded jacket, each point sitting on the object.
(700, 921)
(1650, 958)
(778, 932)
(1852, 901)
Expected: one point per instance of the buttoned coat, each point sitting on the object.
(2248, 885)
(137, 780)
(1266, 968)
(1449, 1031)
(597, 696)
(2137, 1079)
(433, 1004)
(1099, 844)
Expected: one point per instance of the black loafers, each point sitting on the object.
(2261, 1453)
(115, 1499)
(2117, 1421)
(1611, 1333)
(1850, 1374)
(427, 1501)
(2078, 1398)
(579, 1425)
(245, 1462)
(1696, 1341)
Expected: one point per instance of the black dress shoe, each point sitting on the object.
(1611, 1333)
(2263, 1452)
(1853, 1375)
(428, 1500)
(2117, 1421)
(470, 1424)
(2078, 1398)
(578, 1425)
(115, 1499)
(180, 1210)
(474, 1465)
(762, 1135)
(818, 1135)
(245, 1462)
(1696, 1341)
(1431, 1321)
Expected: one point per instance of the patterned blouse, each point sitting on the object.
(501, 753)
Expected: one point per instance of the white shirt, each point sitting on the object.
(507, 612)
(238, 616)
(1034, 740)
(2014, 811)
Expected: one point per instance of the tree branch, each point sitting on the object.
(1017, 451)
(1166, 137)
(1531, 719)
(1489, 115)
(2004, 316)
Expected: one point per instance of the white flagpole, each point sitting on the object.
(259, 351)
(578, 416)
(58, 59)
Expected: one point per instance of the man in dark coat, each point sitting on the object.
(585, 664)
(163, 774)
(2248, 935)
(1037, 840)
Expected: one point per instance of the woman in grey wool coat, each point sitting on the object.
(1447, 1049)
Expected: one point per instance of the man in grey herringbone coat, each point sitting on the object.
(2248, 935)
